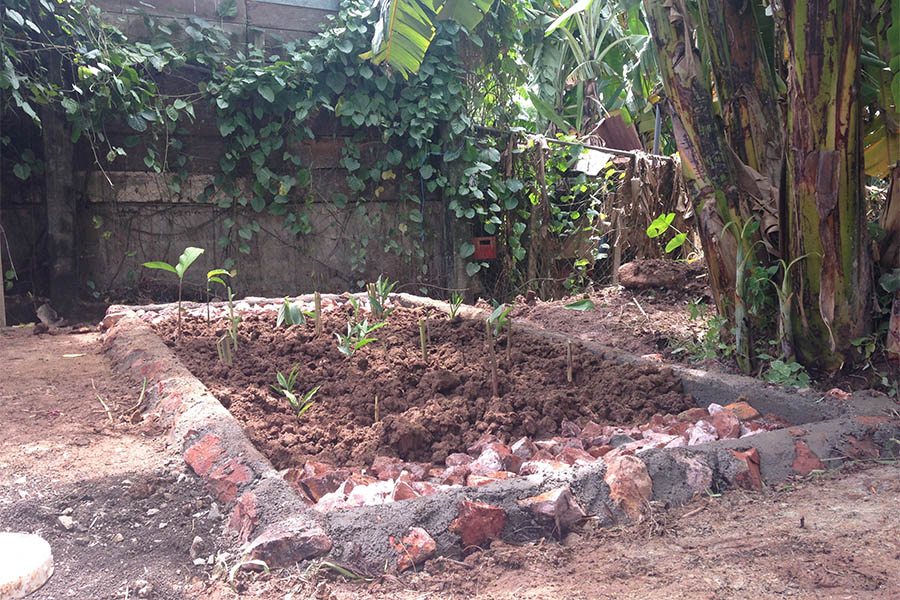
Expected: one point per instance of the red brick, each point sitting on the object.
(751, 478)
(476, 448)
(403, 491)
(477, 523)
(386, 467)
(289, 542)
(318, 486)
(244, 516)
(458, 458)
(455, 475)
(805, 460)
(203, 454)
(226, 480)
(600, 451)
(415, 548)
(872, 420)
(726, 424)
(558, 506)
(572, 456)
(476, 480)
(860, 449)
(693, 415)
(743, 410)
(629, 484)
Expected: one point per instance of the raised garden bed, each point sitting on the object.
(625, 431)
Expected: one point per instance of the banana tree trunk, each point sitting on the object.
(890, 257)
(825, 202)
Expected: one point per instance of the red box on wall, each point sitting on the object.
(485, 248)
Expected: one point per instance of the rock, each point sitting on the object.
(476, 480)
(386, 467)
(743, 410)
(118, 538)
(477, 523)
(620, 439)
(569, 429)
(152, 512)
(196, 547)
(714, 408)
(317, 486)
(574, 456)
(455, 475)
(558, 506)
(805, 460)
(403, 491)
(697, 475)
(66, 522)
(214, 514)
(524, 448)
(551, 446)
(747, 475)
(456, 459)
(415, 548)
(629, 484)
(701, 432)
(693, 414)
(839, 394)
(490, 460)
(143, 588)
(288, 542)
(543, 467)
(600, 451)
(370, 495)
(476, 448)
(423, 488)
(727, 425)
(244, 517)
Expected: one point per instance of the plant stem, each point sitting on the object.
(377, 412)
(495, 387)
(423, 341)
(180, 281)
(569, 360)
(318, 301)
(508, 339)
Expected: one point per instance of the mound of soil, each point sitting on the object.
(427, 410)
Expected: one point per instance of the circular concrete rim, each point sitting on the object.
(26, 563)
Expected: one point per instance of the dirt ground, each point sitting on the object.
(427, 409)
(135, 513)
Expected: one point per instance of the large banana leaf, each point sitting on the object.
(405, 28)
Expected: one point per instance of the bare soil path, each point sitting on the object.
(135, 513)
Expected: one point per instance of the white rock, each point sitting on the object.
(26, 563)
(66, 521)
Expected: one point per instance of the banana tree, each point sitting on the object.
(405, 28)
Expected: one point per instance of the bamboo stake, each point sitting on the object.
(422, 341)
(569, 360)
(377, 414)
(508, 339)
(318, 300)
(495, 386)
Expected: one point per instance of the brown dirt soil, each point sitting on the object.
(427, 410)
(830, 538)
(60, 456)
(58, 452)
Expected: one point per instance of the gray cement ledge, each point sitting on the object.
(278, 527)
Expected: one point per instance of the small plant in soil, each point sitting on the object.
(456, 301)
(492, 357)
(378, 293)
(356, 337)
(318, 313)
(285, 387)
(501, 319)
(227, 345)
(290, 314)
(215, 276)
(186, 259)
(423, 340)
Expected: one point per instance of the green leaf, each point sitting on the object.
(582, 305)
(136, 122)
(676, 242)
(580, 6)
(187, 258)
(227, 8)
(266, 92)
(660, 224)
(160, 265)
(472, 268)
(22, 171)
(337, 81)
(466, 250)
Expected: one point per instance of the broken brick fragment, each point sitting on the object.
(477, 523)
(805, 460)
(557, 506)
(415, 548)
(749, 477)
(629, 484)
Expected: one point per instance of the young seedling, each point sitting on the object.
(289, 314)
(569, 360)
(492, 357)
(318, 303)
(423, 341)
(356, 337)
(378, 293)
(456, 301)
(186, 259)
(508, 340)
(499, 319)
(223, 347)
(215, 276)
(285, 387)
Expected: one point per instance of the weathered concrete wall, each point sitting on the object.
(126, 214)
